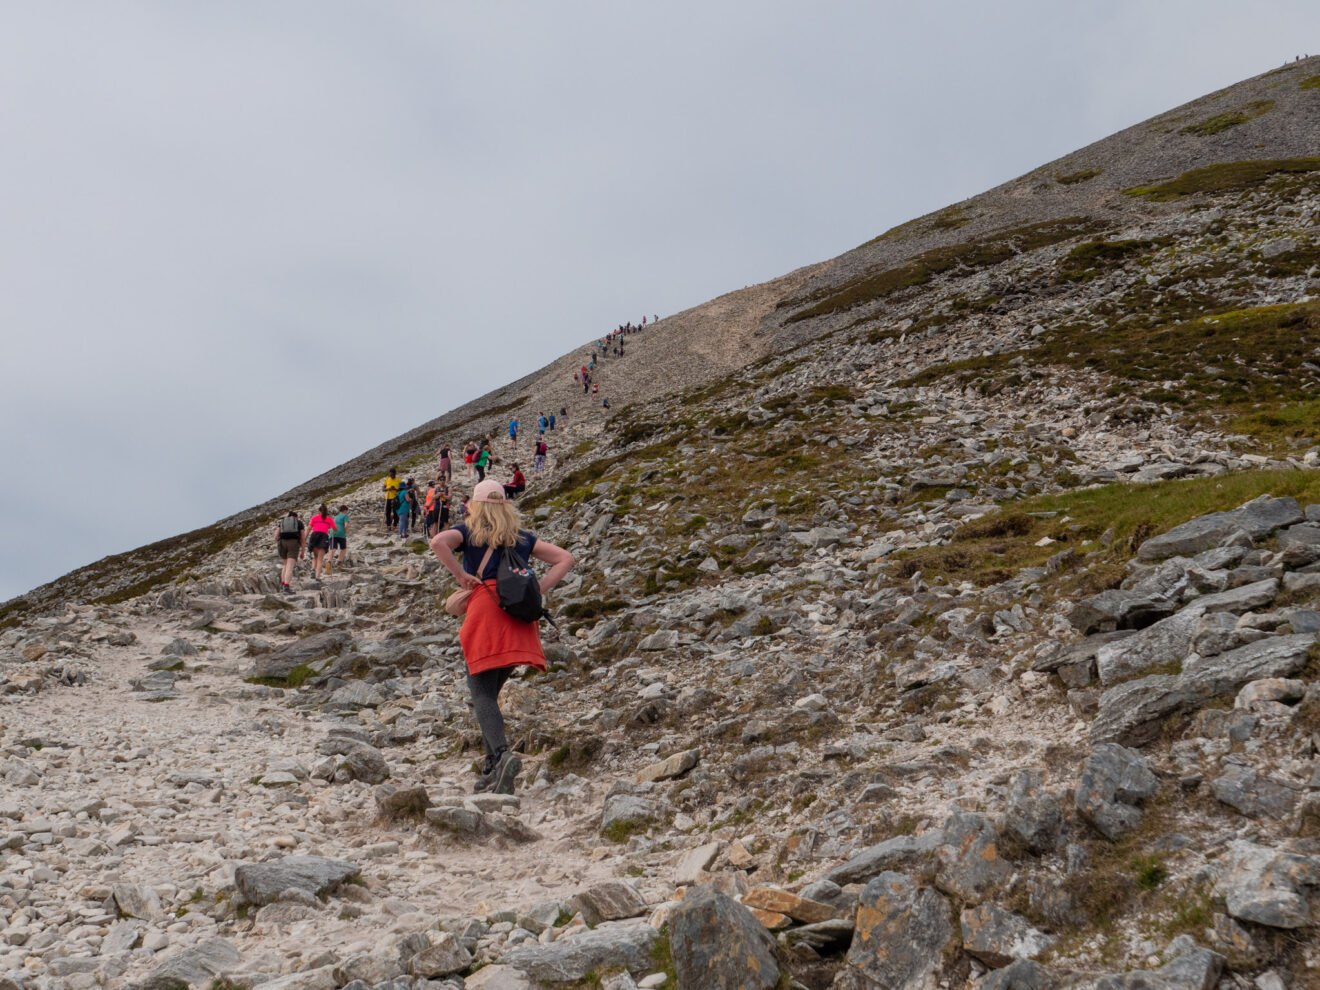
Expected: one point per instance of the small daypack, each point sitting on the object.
(519, 591)
(289, 527)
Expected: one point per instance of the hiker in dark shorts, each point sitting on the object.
(339, 539)
(291, 543)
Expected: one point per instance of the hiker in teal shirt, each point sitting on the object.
(339, 538)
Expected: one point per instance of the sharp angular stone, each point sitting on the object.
(613, 900)
(1021, 974)
(1035, 816)
(969, 864)
(1253, 794)
(694, 862)
(903, 934)
(261, 883)
(1267, 886)
(798, 908)
(1117, 609)
(1113, 780)
(361, 760)
(1257, 518)
(717, 944)
(997, 937)
(673, 766)
(1196, 969)
(445, 955)
(137, 901)
(626, 810)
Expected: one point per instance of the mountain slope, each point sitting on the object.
(952, 603)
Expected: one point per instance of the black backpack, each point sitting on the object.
(519, 591)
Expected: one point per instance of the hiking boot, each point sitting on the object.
(506, 772)
(486, 779)
(286, 589)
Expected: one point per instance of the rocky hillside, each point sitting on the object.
(945, 617)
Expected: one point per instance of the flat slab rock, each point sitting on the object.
(570, 959)
(1131, 713)
(262, 883)
(1257, 518)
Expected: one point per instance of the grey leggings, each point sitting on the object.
(485, 690)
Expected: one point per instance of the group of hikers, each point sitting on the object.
(488, 553)
(611, 344)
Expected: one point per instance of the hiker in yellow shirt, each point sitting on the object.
(391, 489)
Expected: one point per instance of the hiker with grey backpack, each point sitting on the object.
(500, 599)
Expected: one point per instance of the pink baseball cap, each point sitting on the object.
(488, 491)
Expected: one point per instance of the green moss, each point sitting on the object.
(297, 677)
(662, 959)
(1232, 118)
(1094, 257)
(620, 831)
(1225, 177)
(1073, 178)
(1310, 82)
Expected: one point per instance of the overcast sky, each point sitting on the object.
(243, 242)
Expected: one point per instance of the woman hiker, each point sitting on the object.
(322, 525)
(494, 642)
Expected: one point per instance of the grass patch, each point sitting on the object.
(619, 831)
(1223, 121)
(1225, 177)
(1095, 257)
(958, 258)
(1073, 178)
(297, 677)
(1310, 82)
(990, 550)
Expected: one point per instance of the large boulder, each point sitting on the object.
(903, 852)
(1169, 641)
(903, 937)
(280, 663)
(1118, 609)
(572, 958)
(997, 937)
(1254, 794)
(1195, 969)
(1267, 886)
(612, 900)
(717, 944)
(194, 968)
(1132, 713)
(1114, 780)
(1257, 518)
(1035, 815)
(262, 883)
(969, 862)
